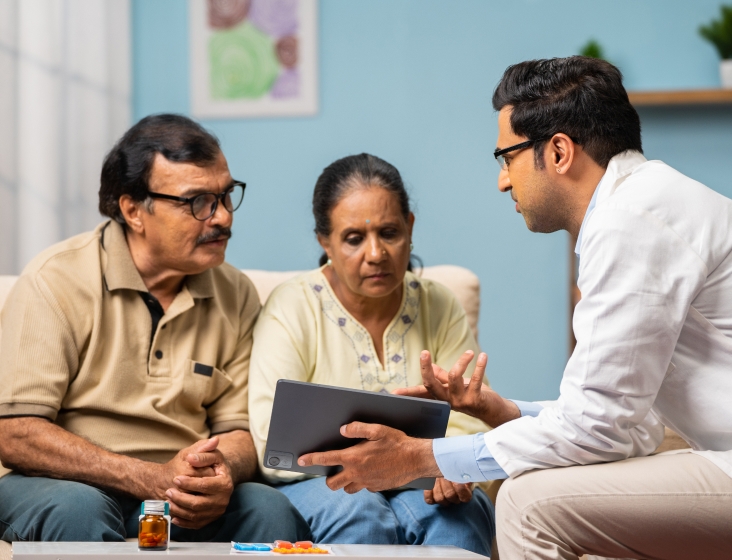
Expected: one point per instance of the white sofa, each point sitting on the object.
(463, 283)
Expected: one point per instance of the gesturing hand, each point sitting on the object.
(387, 459)
(445, 493)
(470, 396)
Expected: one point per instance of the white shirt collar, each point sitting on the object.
(619, 167)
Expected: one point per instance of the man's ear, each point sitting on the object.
(131, 211)
(560, 153)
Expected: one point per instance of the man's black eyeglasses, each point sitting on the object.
(204, 205)
(498, 154)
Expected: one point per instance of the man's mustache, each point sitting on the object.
(215, 234)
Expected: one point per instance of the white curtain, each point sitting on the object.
(64, 101)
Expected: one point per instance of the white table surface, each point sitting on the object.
(214, 551)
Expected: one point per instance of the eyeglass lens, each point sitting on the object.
(204, 205)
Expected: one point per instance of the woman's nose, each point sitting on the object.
(376, 251)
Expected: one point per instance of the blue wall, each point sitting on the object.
(411, 81)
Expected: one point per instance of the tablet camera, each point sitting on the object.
(274, 461)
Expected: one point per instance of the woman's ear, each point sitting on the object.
(131, 213)
(325, 244)
(410, 223)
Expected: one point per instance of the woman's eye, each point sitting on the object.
(354, 240)
(389, 233)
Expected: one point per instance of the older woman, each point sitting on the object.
(361, 321)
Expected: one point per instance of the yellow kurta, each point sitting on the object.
(305, 334)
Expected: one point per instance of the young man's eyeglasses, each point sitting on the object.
(204, 205)
(498, 154)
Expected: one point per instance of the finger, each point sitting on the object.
(455, 383)
(208, 486)
(204, 445)
(476, 380)
(188, 470)
(429, 497)
(437, 492)
(199, 460)
(192, 519)
(464, 492)
(416, 391)
(186, 505)
(450, 491)
(352, 488)
(440, 374)
(363, 430)
(428, 377)
(338, 481)
(326, 459)
(186, 524)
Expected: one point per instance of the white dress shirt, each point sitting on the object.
(653, 330)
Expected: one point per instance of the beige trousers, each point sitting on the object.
(668, 506)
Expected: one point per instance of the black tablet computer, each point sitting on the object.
(307, 417)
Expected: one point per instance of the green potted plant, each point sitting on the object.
(719, 33)
(593, 49)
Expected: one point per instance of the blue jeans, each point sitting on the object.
(396, 517)
(44, 509)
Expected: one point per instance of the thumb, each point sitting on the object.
(204, 445)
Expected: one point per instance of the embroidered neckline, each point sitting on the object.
(374, 376)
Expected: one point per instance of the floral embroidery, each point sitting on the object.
(374, 376)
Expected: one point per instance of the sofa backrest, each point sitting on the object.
(461, 281)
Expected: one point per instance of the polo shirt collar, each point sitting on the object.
(121, 272)
(201, 286)
(619, 167)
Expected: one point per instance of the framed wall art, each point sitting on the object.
(253, 58)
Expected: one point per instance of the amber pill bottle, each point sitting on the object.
(154, 530)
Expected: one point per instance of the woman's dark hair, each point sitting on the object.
(352, 172)
(127, 167)
(581, 97)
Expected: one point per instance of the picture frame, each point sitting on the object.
(253, 58)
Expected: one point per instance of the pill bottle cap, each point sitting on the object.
(155, 507)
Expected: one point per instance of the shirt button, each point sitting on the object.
(158, 354)
(466, 477)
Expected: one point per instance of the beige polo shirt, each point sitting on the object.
(77, 348)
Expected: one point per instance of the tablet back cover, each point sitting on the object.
(307, 417)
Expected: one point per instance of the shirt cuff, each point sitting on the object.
(466, 459)
(528, 408)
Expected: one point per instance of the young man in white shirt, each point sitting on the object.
(654, 344)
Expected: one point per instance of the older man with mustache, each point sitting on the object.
(125, 361)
